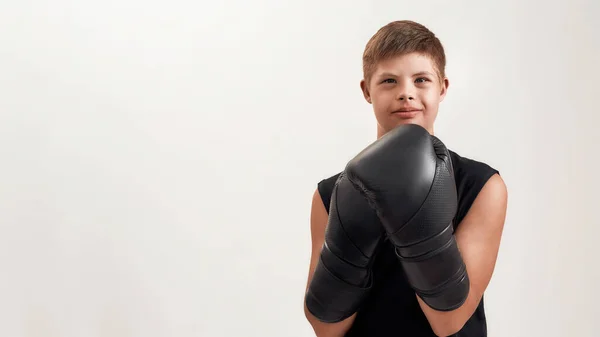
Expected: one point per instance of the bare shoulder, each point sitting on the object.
(318, 213)
(493, 197)
(317, 202)
(496, 185)
(488, 212)
(318, 223)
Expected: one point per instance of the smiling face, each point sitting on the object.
(405, 90)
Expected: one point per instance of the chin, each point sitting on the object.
(414, 121)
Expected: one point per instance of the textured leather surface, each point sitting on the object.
(407, 177)
(353, 235)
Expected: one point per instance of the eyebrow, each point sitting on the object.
(420, 73)
(387, 75)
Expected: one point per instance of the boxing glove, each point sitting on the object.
(407, 177)
(342, 277)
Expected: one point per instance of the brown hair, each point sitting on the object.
(399, 38)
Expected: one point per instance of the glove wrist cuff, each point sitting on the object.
(439, 277)
(333, 300)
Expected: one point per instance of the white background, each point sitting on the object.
(158, 157)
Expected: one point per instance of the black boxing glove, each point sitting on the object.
(407, 177)
(342, 277)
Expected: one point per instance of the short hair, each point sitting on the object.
(399, 38)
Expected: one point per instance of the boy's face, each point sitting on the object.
(405, 90)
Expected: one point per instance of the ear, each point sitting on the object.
(445, 85)
(365, 90)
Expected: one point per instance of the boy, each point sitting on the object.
(404, 80)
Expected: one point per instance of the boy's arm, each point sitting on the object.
(318, 222)
(478, 238)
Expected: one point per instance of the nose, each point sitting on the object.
(405, 93)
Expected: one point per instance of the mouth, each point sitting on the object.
(406, 113)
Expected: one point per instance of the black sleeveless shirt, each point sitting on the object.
(392, 310)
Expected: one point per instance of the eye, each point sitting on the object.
(422, 80)
(389, 80)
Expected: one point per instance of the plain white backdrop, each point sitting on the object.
(158, 157)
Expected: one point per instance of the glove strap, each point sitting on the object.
(440, 277)
(332, 300)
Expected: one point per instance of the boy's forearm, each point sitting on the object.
(447, 323)
(322, 329)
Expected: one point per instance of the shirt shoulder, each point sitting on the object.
(325, 188)
(470, 176)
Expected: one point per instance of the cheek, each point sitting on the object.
(382, 108)
(383, 100)
(431, 99)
